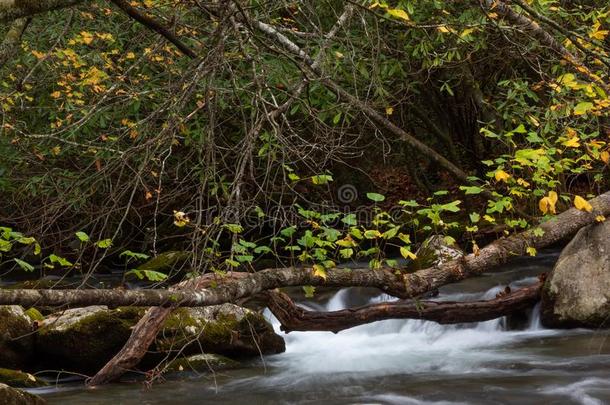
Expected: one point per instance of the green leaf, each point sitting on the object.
(5, 246)
(59, 260)
(309, 291)
(375, 197)
(583, 108)
(346, 253)
(233, 228)
(321, 179)
(244, 258)
(24, 265)
(350, 220)
(471, 190)
(82, 236)
(372, 234)
(104, 243)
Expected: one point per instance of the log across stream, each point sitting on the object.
(402, 361)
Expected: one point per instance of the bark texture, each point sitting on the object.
(294, 318)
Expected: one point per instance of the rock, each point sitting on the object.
(202, 363)
(16, 337)
(577, 292)
(226, 329)
(12, 396)
(436, 250)
(171, 262)
(83, 339)
(19, 379)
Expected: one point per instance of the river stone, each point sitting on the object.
(12, 396)
(19, 379)
(226, 329)
(202, 363)
(83, 339)
(16, 337)
(577, 292)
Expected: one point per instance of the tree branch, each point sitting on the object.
(155, 26)
(294, 318)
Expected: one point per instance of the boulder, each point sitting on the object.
(12, 396)
(20, 379)
(226, 329)
(16, 337)
(577, 292)
(84, 339)
(436, 250)
(201, 363)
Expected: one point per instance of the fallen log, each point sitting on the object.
(295, 318)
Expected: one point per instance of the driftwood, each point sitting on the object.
(295, 318)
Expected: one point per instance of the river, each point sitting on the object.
(400, 362)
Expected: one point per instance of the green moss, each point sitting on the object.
(34, 314)
(19, 379)
(16, 342)
(87, 344)
(165, 261)
(12, 396)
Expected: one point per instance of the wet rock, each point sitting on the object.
(16, 337)
(13, 396)
(83, 339)
(19, 379)
(226, 329)
(577, 292)
(202, 363)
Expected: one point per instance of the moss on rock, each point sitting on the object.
(19, 379)
(226, 329)
(13, 396)
(16, 339)
(83, 339)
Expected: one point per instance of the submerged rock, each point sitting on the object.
(12, 396)
(202, 363)
(84, 339)
(577, 292)
(19, 379)
(16, 337)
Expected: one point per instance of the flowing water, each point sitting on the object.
(401, 362)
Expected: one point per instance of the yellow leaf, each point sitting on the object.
(87, 37)
(522, 182)
(553, 198)
(531, 251)
(582, 204)
(389, 110)
(56, 94)
(319, 271)
(407, 254)
(398, 13)
(475, 249)
(605, 156)
(572, 142)
(180, 219)
(600, 218)
(55, 150)
(501, 175)
(543, 204)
